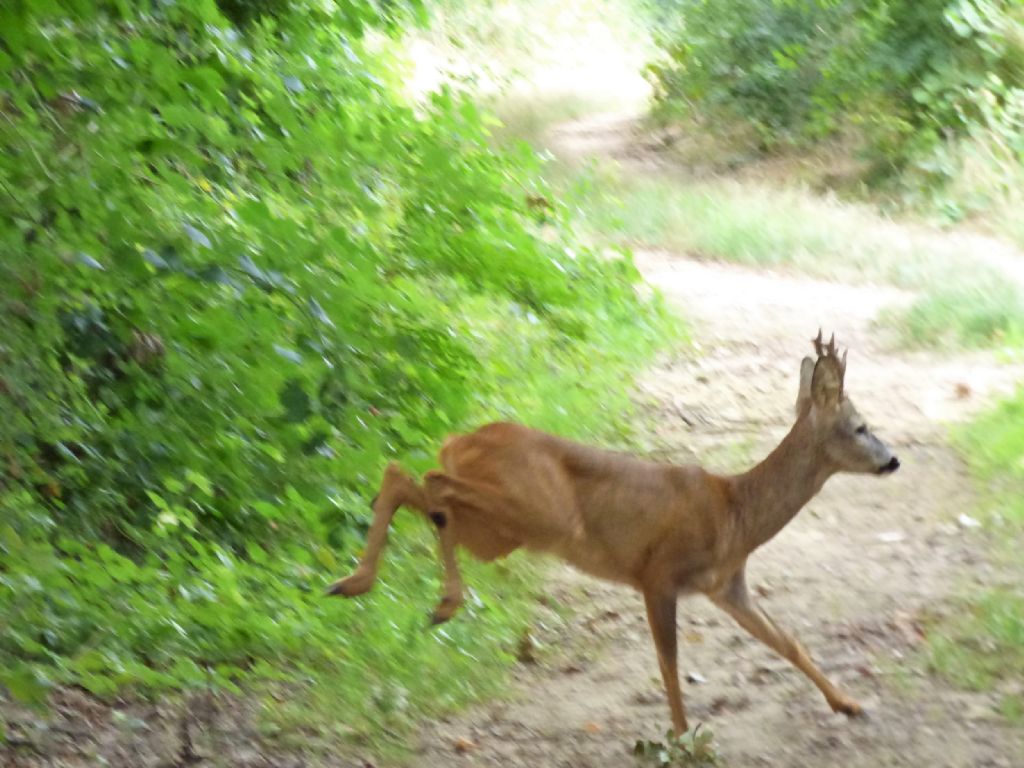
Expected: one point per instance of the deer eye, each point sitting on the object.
(862, 430)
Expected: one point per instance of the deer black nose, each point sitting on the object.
(891, 467)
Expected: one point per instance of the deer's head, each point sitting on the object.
(841, 432)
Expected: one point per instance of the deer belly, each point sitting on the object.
(485, 542)
(596, 560)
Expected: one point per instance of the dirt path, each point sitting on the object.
(853, 576)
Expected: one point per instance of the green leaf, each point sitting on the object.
(296, 402)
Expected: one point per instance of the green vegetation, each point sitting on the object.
(241, 272)
(982, 647)
(692, 749)
(930, 89)
(993, 445)
(985, 310)
(754, 224)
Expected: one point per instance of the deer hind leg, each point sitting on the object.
(442, 516)
(661, 615)
(468, 514)
(396, 489)
(736, 601)
(451, 595)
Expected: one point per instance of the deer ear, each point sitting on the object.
(827, 383)
(803, 398)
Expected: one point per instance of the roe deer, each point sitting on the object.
(666, 530)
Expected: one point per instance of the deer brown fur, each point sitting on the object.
(666, 530)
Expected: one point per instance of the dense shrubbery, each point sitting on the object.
(913, 78)
(239, 273)
(745, 59)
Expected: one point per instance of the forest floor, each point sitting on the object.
(859, 576)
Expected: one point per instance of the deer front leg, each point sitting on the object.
(661, 615)
(735, 600)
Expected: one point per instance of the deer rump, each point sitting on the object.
(666, 530)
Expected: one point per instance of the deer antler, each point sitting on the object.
(826, 350)
(829, 350)
(818, 348)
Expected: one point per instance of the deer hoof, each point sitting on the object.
(848, 707)
(438, 617)
(445, 610)
(351, 586)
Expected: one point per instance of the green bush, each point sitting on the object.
(241, 273)
(753, 61)
(912, 78)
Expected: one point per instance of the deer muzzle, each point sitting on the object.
(890, 467)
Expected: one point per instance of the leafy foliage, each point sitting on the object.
(241, 273)
(916, 78)
(692, 749)
(746, 59)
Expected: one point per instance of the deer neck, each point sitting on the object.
(768, 496)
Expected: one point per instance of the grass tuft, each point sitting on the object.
(982, 646)
(982, 312)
